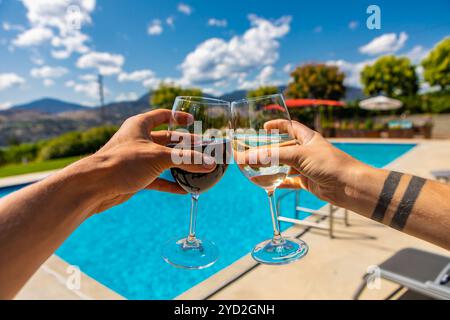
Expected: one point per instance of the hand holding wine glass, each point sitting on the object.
(256, 146)
(206, 135)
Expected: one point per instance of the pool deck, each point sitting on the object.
(332, 269)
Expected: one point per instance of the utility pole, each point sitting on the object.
(102, 99)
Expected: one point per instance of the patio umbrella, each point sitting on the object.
(380, 103)
(315, 103)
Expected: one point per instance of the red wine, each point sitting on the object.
(195, 182)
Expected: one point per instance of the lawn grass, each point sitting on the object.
(16, 169)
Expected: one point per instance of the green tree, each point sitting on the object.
(390, 75)
(165, 94)
(262, 91)
(436, 66)
(316, 81)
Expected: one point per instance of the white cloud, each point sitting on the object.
(89, 77)
(386, 43)
(48, 72)
(152, 83)
(12, 27)
(217, 60)
(288, 68)
(318, 29)
(352, 25)
(55, 13)
(90, 89)
(417, 54)
(74, 42)
(49, 82)
(37, 60)
(184, 8)
(88, 86)
(106, 63)
(212, 91)
(264, 78)
(33, 37)
(53, 19)
(155, 28)
(5, 105)
(70, 84)
(90, 104)
(127, 96)
(136, 76)
(352, 70)
(8, 80)
(217, 22)
(170, 21)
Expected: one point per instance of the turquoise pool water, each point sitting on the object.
(121, 248)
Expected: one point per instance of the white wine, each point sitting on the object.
(270, 175)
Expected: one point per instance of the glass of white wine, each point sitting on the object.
(256, 140)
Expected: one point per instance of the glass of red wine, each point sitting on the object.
(205, 132)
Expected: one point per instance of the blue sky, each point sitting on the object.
(56, 48)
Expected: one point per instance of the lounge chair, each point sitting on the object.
(442, 175)
(328, 212)
(424, 272)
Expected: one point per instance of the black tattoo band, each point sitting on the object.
(409, 198)
(389, 187)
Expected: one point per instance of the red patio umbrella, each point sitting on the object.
(296, 103)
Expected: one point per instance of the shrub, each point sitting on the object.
(76, 143)
(66, 145)
(95, 138)
(369, 124)
(24, 152)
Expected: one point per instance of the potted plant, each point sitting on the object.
(343, 130)
(327, 128)
(397, 131)
(369, 130)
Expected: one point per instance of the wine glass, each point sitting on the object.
(253, 132)
(206, 133)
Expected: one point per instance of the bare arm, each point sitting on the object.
(35, 220)
(407, 203)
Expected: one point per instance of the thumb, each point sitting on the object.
(189, 160)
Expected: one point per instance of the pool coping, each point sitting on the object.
(223, 277)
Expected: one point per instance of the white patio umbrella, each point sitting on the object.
(380, 103)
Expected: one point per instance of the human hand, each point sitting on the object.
(135, 157)
(324, 170)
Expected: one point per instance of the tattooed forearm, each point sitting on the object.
(389, 187)
(405, 205)
(409, 198)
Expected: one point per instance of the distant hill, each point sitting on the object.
(49, 105)
(353, 93)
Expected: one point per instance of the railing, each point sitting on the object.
(328, 212)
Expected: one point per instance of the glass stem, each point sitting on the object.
(193, 217)
(277, 238)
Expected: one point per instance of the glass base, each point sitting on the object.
(285, 251)
(192, 254)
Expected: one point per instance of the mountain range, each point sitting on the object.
(46, 118)
(55, 106)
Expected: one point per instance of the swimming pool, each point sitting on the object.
(121, 248)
